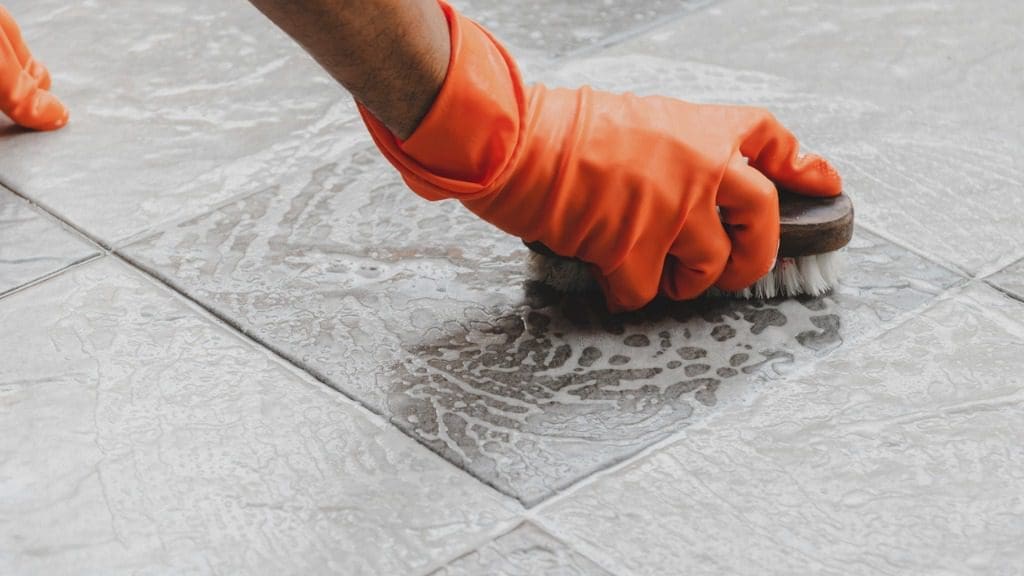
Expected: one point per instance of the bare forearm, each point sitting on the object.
(392, 55)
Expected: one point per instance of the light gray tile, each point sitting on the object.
(138, 437)
(901, 456)
(32, 245)
(175, 108)
(418, 309)
(526, 551)
(538, 29)
(944, 58)
(917, 103)
(1011, 280)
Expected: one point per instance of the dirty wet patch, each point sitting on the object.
(533, 399)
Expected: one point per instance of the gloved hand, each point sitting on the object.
(24, 82)
(637, 186)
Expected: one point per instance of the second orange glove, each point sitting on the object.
(637, 186)
(25, 82)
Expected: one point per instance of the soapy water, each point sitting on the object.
(503, 396)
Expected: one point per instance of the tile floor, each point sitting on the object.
(232, 342)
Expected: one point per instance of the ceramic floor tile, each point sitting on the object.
(138, 437)
(898, 457)
(419, 310)
(919, 59)
(1011, 280)
(539, 29)
(526, 551)
(175, 108)
(917, 102)
(32, 245)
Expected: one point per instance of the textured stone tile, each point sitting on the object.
(138, 437)
(32, 245)
(538, 29)
(917, 102)
(176, 107)
(526, 551)
(901, 456)
(953, 195)
(922, 60)
(1011, 280)
(418, 309)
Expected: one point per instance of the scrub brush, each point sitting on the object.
(813, 231)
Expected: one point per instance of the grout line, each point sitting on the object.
(1008, 293)
(509, 528)
(478, 543)
(944, 263)
(53, 214)
(169, 224)
(984, 273)
(50, 276)
(173, 222)
(226, 321)
(579, 546)
(160, 226)
(45, 212)
(999, 266)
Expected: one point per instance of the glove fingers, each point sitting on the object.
(749, 208)
(13, 33)
(697, 258)
(35, 68)
(39, 110)
(775, 151)
(21, 98)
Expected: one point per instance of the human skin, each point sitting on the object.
(392, 55)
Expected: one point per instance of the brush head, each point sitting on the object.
(812, 233)
(810, 226)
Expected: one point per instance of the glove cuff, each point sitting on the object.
(472, 135)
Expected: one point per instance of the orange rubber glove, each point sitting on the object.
(637, 186)
(25, 82)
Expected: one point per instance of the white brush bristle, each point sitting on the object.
(808, 275)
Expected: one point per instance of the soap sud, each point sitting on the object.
(813, 275)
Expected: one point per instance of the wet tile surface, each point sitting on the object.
(897, 457)
(1011, 280)
(526, 551)
(920, 105)
(32, 245)
(175, 108)
(136, 436)
(872, 431)
(419, 310)
(538, 29)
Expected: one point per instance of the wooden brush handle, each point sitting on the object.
(809, 226)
